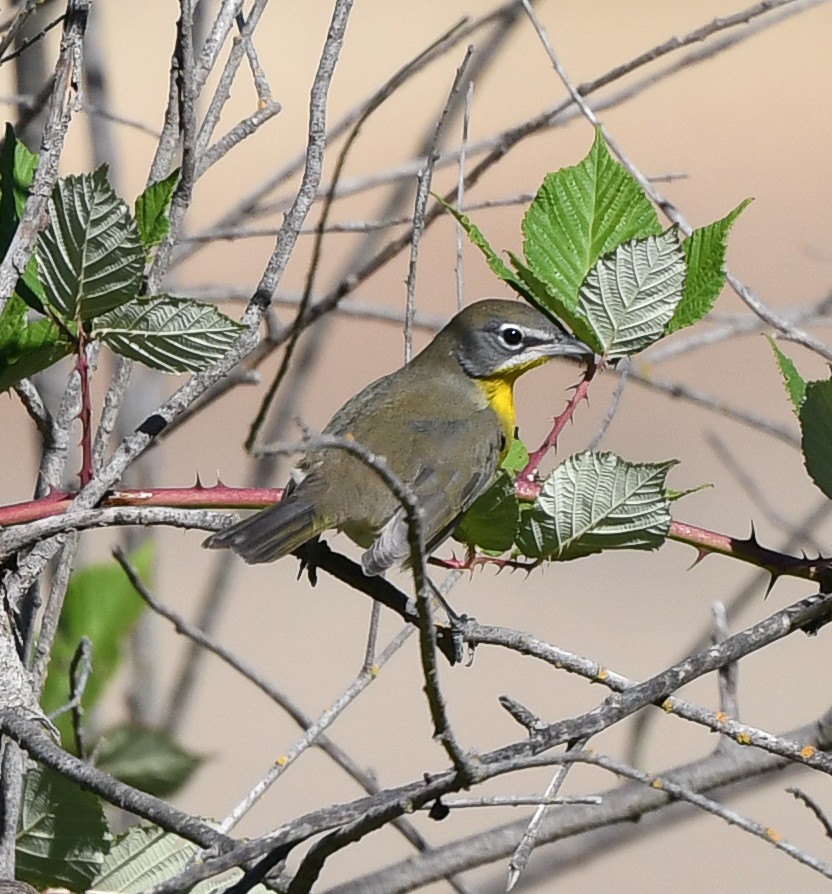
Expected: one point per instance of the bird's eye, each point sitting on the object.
(511, 336)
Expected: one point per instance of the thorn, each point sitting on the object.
(701, 553)
(772, 581)
(198, 484)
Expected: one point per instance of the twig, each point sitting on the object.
(731, 817)
(365, 677)
(813, 805)
(187, 91)
(39, 414)
(113, 399)
(211, 48)
(29, 41)
(459, 271)
(423, 182)
(624, 370)
(21, 536)
(784, 433)
(52, 612)
(79, 674)
(517, 801)
(261, 84)
(267, 108)
(739, 602)
(728, 676)
(523, 852)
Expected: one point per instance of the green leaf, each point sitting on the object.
(630, 295)
(171, 334)
(491, 522)
(495, 262)
(26, 348)
(815, 416)
(62, 837)
(145, 856)
(794, 383)
(517, 457)
(597, 501)
(147, 759)
(674, 495)
(102, 605)
(141, 858)
(579, 214)
(37, 346)
(152, 208)
(705, 257)
(29, 286)
(12, 322)
(17, 172)
(90, 257)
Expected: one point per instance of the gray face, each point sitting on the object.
(514, 335)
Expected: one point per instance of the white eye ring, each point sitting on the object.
(511, 337)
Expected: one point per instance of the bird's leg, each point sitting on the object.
(456, 622)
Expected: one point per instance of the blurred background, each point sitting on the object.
(751, 119)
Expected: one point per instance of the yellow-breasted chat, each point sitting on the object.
(443, 423)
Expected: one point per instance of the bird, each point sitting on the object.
(444, 422)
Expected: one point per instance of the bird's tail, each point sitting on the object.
(272, 533)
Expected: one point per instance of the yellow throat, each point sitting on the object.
(499, 392)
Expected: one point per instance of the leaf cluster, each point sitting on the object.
(595, 257)
(85, 281)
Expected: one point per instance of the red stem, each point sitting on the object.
(749, 550)
(526, 486)
(198, 497)
(85, 415)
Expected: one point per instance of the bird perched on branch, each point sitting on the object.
(443, 423)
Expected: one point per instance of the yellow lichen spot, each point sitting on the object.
(657, 783)
(667, 706)
(282, 760)
(807, 751)
(603, 674)
(744, 739)
(721, 717)
(375, 670)
(773, 834)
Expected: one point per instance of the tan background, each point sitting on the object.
(752, 121)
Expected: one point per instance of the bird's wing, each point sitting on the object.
(445, 486)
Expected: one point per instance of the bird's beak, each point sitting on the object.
(570, 347)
